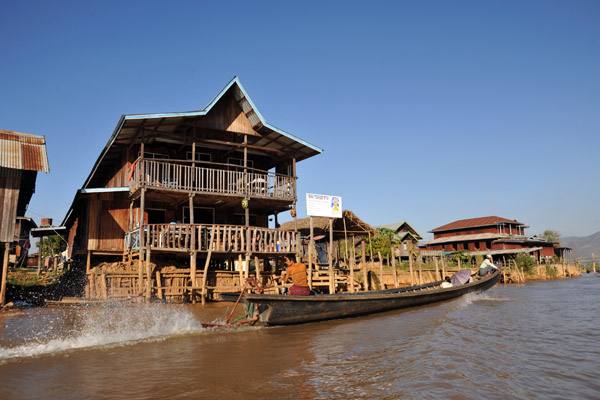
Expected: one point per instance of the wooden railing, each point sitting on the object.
(218, 238)
(226, 179)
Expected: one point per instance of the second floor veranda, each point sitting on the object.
(210, 178)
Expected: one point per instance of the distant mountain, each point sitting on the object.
(584, 246)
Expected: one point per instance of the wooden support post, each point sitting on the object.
(256, 268)
(311, 246)
(141, 242)
(103, 286)
(443, 261)
(241, 268)
(364, 265)
(88, 262)
(91, 286)
(148, 275)
(205, 275)
(247, 267)
(193, 276)
(420, 264)
(330, 257)
(381, 284)
(410, 267)
(394, 267)
(352, 266)
(5, 273)
(159, 291)
(39, 269)
(437, 268)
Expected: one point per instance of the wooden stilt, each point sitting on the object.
(330, 257)
(5, 274)
(394, 267)
(410, 267)
(205, 275)
(148, 275)
(381, 284)
(103, 287)
(193, 276)
(39, 269)
(159, 290)
(311, 246)
(364, 265)
(88, 262)
(256, 268)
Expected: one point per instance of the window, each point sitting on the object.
(240, 219)
(240, 162)
(202, 215)
(156, 216)
(153, 155)
(199, 156)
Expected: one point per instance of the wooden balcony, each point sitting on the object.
(214, 179)
(215, 238)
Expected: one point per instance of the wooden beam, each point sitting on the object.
(5, 273)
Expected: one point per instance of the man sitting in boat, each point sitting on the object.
(296, 271)
(487, 267)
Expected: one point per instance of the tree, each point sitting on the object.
(551, 236)
(53, 245)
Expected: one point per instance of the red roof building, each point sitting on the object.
(490, 235)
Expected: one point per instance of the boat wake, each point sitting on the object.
(100, 327)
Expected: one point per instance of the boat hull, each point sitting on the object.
(286, 310)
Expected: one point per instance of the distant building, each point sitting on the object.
(490, 235)
(406, 234)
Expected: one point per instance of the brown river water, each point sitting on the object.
(535, 341)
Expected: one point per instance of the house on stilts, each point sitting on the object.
(177, 205)
(22, 156)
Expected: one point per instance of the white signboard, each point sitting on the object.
(322, 205)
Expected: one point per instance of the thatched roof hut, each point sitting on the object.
(354, 226)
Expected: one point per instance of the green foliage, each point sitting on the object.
(551, 236)
(52, 245)
(551, 271)
(478, 260)
(525, 262)
(461, 255)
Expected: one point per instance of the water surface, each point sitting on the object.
(534, 341)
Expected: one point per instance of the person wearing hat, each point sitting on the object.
(487, 267)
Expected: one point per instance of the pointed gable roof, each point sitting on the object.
(231, 110)
(402, 227)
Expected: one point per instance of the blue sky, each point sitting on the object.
(427, 111)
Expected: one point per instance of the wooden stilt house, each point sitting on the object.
(21, 157)
(178, 204)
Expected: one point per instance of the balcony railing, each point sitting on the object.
(223, 179)
(218, 238)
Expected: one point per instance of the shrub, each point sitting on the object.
(551, 271)
(525, 262)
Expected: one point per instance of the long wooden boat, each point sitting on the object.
(270, 309)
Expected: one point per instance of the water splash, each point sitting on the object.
(99, 327)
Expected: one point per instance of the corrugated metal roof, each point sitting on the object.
(506, 251)
(464, 238)
(397, 225)
(475, 222)
(130, 127)
(23, 151)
